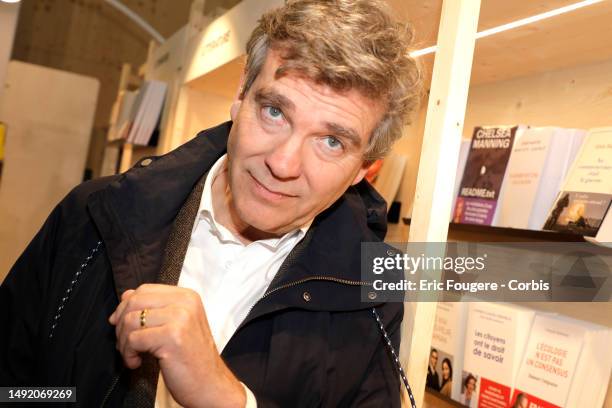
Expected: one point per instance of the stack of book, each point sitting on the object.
(538, 178)
(137, 114)
(499, 355)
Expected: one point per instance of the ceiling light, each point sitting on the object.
(517, 23)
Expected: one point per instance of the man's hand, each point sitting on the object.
(178, 335)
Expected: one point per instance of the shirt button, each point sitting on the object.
(146, 162)
(306, 296)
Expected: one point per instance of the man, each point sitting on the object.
(433, 380)
(226, 273)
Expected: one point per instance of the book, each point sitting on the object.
(495, 339)
(604, 235)
(446, 353)
(121, 115)
(584, 200)
(564, 357)
(463, 153)
(537, 168)
(483, 177)
(146, 111)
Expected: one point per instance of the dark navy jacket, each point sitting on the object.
(109, 235)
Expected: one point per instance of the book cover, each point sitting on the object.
(496, 336)
(536, 170)
(561, 356)
(586, 195)
(446, 353)
(146, 111)
(549, 364)
(484, 173)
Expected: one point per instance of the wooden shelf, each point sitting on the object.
(508, 233)
(436, 400)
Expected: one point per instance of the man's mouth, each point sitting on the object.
(269, 192)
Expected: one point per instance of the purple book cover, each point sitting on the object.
(484, 174)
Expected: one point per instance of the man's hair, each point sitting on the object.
(344, 44)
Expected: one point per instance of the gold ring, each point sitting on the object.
(143, 318)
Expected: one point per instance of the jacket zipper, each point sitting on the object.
(299, 282)
(73, 282)
(110, 390)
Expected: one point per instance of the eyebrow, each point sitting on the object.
(265, 95)
(345, 133)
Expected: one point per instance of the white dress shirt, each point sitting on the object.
(229, 276)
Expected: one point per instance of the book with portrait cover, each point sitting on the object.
(483, 177)
(448, 342)
(567, 363)
(585, 198)
(495, 340)
(540, 160)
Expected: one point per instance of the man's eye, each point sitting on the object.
(273, 112)
(333, 143)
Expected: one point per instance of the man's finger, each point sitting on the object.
(148, 340)
(140, 301)
(126, 295)
(152, 318)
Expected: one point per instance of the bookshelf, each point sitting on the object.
(120, 155)
(556, 72)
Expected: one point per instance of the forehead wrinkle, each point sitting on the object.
(334, 100)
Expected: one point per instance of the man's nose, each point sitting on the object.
(285, 160)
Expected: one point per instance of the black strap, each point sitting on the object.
(398, 365)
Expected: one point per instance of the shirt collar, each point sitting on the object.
(207, 212)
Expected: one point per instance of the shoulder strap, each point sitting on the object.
(398, 365)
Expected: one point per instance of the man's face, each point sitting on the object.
(433, 358)
(294, 148)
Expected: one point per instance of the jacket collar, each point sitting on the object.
(135, 213)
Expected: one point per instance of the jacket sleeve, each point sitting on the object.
(22, 302)
(381, 386)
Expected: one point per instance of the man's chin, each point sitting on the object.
(256, 224)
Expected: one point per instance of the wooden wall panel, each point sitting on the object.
(49, 115)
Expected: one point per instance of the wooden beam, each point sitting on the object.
(437, 168)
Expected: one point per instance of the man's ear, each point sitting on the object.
(235, 108)
(361, 174)
(237, 100)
